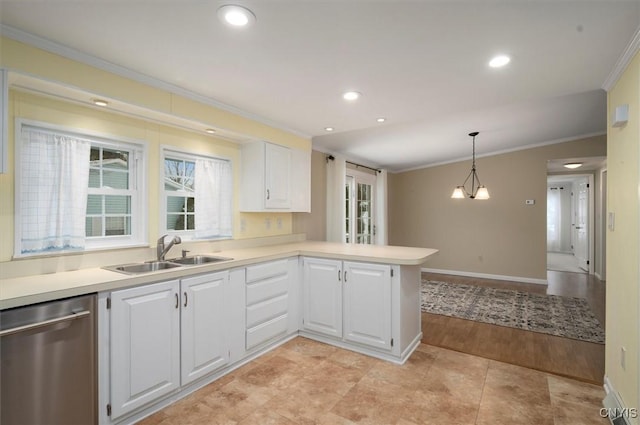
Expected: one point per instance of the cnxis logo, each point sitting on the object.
(617, 412)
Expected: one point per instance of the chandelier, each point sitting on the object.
(478, 191)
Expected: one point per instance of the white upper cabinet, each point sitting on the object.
(275, 178)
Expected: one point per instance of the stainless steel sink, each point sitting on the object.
(138, 268)
(193, 260)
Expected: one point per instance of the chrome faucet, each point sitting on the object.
(163, 249)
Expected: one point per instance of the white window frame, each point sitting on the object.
(138, 154)
(172, 152)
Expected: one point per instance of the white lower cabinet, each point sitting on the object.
(163, 336)
(271, 301)
(145, 345)
(348, 300)
(204, 347)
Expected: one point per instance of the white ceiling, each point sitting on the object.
(420, 64)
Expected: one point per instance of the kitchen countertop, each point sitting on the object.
(22, 291)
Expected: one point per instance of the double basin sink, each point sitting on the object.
(152, 266)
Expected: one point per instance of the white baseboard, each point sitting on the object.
(488, 276)
(614, 408)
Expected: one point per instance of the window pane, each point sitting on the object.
(93, 226)
(176, 204)
(117, 204)
(94, 177)
(114, 159)
(94, 204)
(191, 222)
(117, 226)
(175, 221)
(115, 179)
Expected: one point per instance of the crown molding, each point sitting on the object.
(503, 151)
(629, 53)
(94, 61)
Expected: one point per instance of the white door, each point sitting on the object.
(581, 224)
(277, 176)
(145, 345)
(322, 296)
(203, 324)
(367, 304)
(359, 207)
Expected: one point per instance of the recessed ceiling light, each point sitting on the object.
(573, 165)
(210, 130)
(328, 128)
(236, 16)
(100, 102)
(381, 119)
(351, 95)
(499, 61)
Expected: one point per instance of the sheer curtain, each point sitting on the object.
(213, 198)
(336, 182)
(554, 220)
(381, 237)
(54, 182)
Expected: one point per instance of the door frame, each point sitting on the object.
(367, 178)
(591, 210)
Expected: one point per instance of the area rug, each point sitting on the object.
(550, 314)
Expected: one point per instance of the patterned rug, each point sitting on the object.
(551, 314)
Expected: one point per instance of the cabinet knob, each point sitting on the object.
(177, 301)
(268, 194)
(185, 299)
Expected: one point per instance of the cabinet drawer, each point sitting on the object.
(267, 289)
(267, 310)
(266, 270)
(261, 333)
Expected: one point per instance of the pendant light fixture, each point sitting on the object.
(477, 191)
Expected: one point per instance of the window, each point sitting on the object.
(76, 191)
(359, 207)
(197, 196)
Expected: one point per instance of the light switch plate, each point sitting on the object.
(530, 201)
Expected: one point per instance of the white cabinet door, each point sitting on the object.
(322, 296)
(145, 345)
(203, 324)
(277, 176)
(367, 304)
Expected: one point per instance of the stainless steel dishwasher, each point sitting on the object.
(48, 363)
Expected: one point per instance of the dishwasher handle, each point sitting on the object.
(31, 326)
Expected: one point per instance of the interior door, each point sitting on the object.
(581, 225)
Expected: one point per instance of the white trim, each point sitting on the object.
(508, 150)
(624, 60)
(96, 62)
(4, 120)
(487, 276)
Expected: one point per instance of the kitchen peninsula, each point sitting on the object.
(164, 334)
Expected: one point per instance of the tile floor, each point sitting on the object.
(307, 382)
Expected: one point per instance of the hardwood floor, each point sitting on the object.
(561, 356)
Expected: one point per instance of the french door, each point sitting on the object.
(359, 207)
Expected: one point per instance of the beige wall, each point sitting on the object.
(22, 58)
(501, 236)
(314, 224)
(623, 251)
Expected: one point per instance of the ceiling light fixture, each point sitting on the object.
(351, 95)
(210, 131)
(573, 165)
(236, 16)
(100, 102)
(328, 128)
(381, 119)
(479, 192)
(499, 61)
